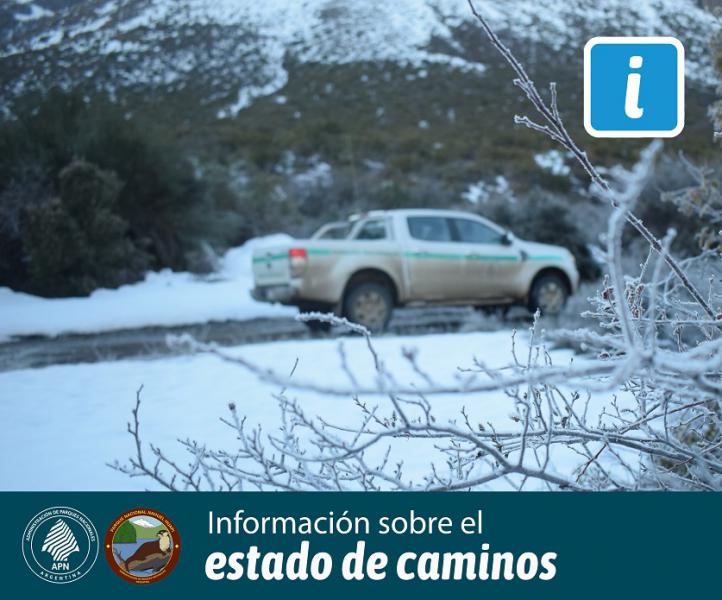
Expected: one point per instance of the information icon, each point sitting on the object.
(633, 87)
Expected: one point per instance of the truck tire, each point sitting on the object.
(549, 294)
(369, 304)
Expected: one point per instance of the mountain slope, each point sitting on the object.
(238, 49)
(403, 102)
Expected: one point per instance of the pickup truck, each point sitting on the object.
(364, 267)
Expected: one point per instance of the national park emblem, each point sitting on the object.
(142, 546)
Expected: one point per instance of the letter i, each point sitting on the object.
(631, 102)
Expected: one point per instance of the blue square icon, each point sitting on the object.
(633, 87)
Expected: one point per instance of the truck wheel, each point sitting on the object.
(369, 304)
(549, 294)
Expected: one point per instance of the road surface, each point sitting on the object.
(151, 342)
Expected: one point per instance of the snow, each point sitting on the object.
(163, 298)
(320, 174)
(247, 95)
(116, 46)
(64, 423)
(246, 44)
(143, 523)
(36, 12)
(91, 26)
(110, 7)
(553, 161)
(476, 193)
(47, 40)
(481, 191)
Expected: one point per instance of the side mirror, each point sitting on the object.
(507, 239)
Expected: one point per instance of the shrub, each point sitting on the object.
(75, 242)
(160, 189)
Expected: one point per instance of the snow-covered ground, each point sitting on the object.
(62, 424)
(164, 298)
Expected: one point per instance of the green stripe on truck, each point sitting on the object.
(259, 259)
(419, 255)
(442, 256)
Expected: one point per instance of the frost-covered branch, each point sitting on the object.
(553, 126)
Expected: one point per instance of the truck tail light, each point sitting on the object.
(297, 258)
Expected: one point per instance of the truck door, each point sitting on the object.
(435, 267)
(490, 266)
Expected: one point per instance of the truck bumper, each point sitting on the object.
(284, 294)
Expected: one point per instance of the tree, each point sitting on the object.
(125, 534)
(156, 207)
(75, 242)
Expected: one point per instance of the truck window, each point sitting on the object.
(473, 232)
(373, 229)
(333, 231)
(429, 229)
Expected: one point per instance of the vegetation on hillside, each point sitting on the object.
(89, 197)
(95, 192)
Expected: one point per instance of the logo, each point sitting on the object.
(633, 87)
(142, 546)
(60, 544)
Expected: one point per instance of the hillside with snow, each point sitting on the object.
(241, 50)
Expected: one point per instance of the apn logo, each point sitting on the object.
(60, 544)
(633, 87)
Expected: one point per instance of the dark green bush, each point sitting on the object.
(76, 243)
(50, 246)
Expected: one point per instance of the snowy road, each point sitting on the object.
(151, 342)
(63, 423)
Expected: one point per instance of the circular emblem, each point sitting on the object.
(142, 546)
(60, 544)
